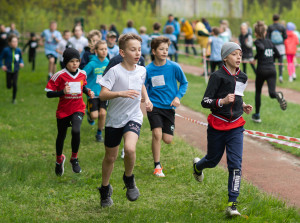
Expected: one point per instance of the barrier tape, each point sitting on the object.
(256, 134)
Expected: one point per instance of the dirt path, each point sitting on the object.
(290, 95)
(271, 170)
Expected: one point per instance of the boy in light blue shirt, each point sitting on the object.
(216, 45)
(161, 82)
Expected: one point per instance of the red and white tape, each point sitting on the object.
(256, 134)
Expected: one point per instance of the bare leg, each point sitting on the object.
(130, 140)
(108, 163)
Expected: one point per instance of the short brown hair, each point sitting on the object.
(124, 38)
(10, 37)
(276, 17)
(169, 29)
(156, 26)
(100, 42)
(158, 40)
(216, 31)
(93, 33)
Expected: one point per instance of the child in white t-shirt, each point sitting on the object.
(123, 85)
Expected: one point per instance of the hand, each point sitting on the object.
(228, 99)
(129, 94)
(21, 65)
(67, 89)
(247, 109)
(149, 105)
(91, 94)
(175, 102)
(4, 68)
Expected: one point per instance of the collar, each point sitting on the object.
(228, 72)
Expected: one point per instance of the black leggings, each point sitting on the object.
(261, 77)
(11, 81)
(213, 65)
(73, 121)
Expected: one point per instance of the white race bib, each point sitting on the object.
(75, 87)
(158, 81)
(98, 79)
(135, 83)
(17, 57)
(239, 88)
(33, 44)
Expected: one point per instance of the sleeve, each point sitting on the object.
(1, 57)
(113, 62)
(52, 85)
(21, 58)
(43, 34)
(209, 99)
(284, 35)
(268, 36)
(88, 69)
(58, 35)
(181, 78)
(108, 80)
(249, 42)
(55, 94)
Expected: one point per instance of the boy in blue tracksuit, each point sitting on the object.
(223, 96)
(13, 61)
(161, 83)
(94, 71)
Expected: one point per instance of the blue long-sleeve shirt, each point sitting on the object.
(12, 59)
(161, 84)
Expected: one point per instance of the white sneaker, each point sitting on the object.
(294, 76)
(158, 172)
(122, 153)
(280, 79)
(291, 79)
(198, 177)
(231, 210)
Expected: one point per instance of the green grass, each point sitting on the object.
(274, 120)
(196, 61)
(30, 191)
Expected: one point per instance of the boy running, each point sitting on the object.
(94, 70)
(161, 81)
(223, 96)
(68, 84)
(123, 86)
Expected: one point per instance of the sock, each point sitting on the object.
(74, 155)
(157, 165)
(99, 132)
(197, 171)
(59, 159)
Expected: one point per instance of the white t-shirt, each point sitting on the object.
(61, 46)
(122, 110)
(78, 44)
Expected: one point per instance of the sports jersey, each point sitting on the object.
(68, 103)
(50, 42)
(79, 44)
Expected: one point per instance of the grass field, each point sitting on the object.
(31, 192)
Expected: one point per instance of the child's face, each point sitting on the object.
(233, 60)
(101, 51)
(161, 53)
(73, 65)
(14, 43)
(78, 32)
(132, 52)
(93, 41)
(111, 40)
(244, 30)
(67, 35)
(33, 38)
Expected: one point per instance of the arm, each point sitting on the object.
(25, 46)
(247, 108)
(88, 92)
(148, 103)
(106, 94)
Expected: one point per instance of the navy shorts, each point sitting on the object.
(94, 104)
(162, 118)
(50, 56)
(113, 136)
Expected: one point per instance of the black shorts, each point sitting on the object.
(94, 104)
(50, 56)
(162, 118)
(113, 136)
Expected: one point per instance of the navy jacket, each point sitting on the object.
(7, 56)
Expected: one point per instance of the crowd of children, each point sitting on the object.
(110, 70)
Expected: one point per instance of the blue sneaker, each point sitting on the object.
(90, 121)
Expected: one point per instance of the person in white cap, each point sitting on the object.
(223, 96)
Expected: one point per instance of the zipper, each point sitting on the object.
(231, 112)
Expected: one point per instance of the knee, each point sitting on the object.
(75, 131)
(157, 134)
(102, 114)
(110, 158)
(167, 139)
(51, 60)
(94, 115)
(129, 151)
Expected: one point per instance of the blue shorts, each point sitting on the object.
(113, 136)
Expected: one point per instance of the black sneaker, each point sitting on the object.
(59, 167)
(199, 176)
(99, 138)
(132, 192)
(105, 196)
(256, 118)
(281, 100)
(75, 165)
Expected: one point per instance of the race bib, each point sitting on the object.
(158, 81)
(98, 79)
(33, 45)
(75, 87)
(239, 88)
(17, 57)
(135, 83)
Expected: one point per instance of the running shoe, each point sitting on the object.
(280, 79)
(199, 176)
(75, 165)
(90, 121)
(105, 196)
(281, 100)
(231, 210)
(158, 172)
(256, 118)
(132, 192)
(294, 76)
(99, 138)
(59, 167)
